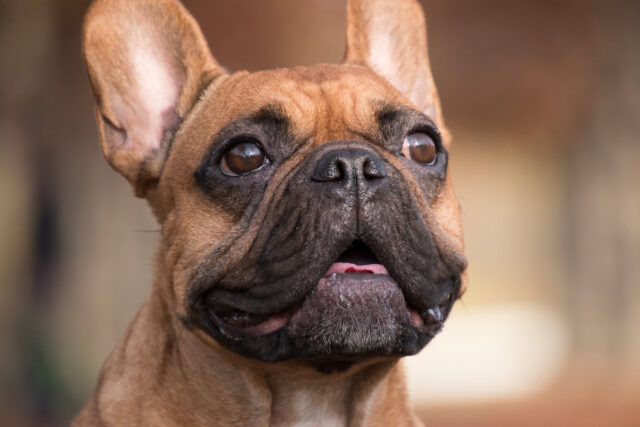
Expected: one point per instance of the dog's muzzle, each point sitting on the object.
(344, 268)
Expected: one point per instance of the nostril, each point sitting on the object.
(343, 168)
(328, 170)
(373, 169)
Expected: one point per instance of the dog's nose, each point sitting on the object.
(353, 168)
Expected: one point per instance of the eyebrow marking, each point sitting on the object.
(270, 113)
(387, 114)
(271, 118)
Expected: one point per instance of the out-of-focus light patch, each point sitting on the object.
(489, 353)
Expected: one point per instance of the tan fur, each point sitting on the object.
(162, 373)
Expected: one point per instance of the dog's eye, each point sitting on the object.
(419, 147)
(242, 158)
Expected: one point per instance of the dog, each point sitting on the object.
(310, 235)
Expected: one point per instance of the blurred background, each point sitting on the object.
(543, 100)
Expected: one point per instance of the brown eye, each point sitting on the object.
(419, 147)
(243, 158)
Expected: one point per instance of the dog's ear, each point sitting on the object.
(390, 37)
(147, 61)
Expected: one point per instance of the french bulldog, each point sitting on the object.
(310, 234)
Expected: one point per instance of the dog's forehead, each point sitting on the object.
(323, 100)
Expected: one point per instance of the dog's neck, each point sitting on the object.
(311, 399)
(164, 365)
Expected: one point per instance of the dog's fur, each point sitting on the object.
(261, 242)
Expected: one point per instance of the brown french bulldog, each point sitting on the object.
(310, 232)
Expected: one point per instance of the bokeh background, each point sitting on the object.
(543, 100)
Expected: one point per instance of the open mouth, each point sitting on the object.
(356, 285)
(358, 258)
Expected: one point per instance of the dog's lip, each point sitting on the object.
(430, 320)
(261, 326)
(239, 322)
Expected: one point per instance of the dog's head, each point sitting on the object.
(306, 213)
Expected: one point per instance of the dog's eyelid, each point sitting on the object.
(225, 141)
(427, 127)
(242, 138)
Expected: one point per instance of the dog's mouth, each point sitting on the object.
(356, 286)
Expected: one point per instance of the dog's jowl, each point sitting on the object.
(310, 233)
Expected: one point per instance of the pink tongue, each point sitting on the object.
(347, 267)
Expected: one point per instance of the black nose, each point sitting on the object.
(353, 168)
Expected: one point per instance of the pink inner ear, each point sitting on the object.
(155, 91)
(382, 57)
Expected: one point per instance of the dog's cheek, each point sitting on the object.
(190, 231)
(448, 214)
(446, 211)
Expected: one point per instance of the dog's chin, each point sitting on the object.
(355, 311)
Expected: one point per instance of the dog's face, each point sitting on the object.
(306, 213)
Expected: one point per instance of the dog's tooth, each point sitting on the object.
(434, 315)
